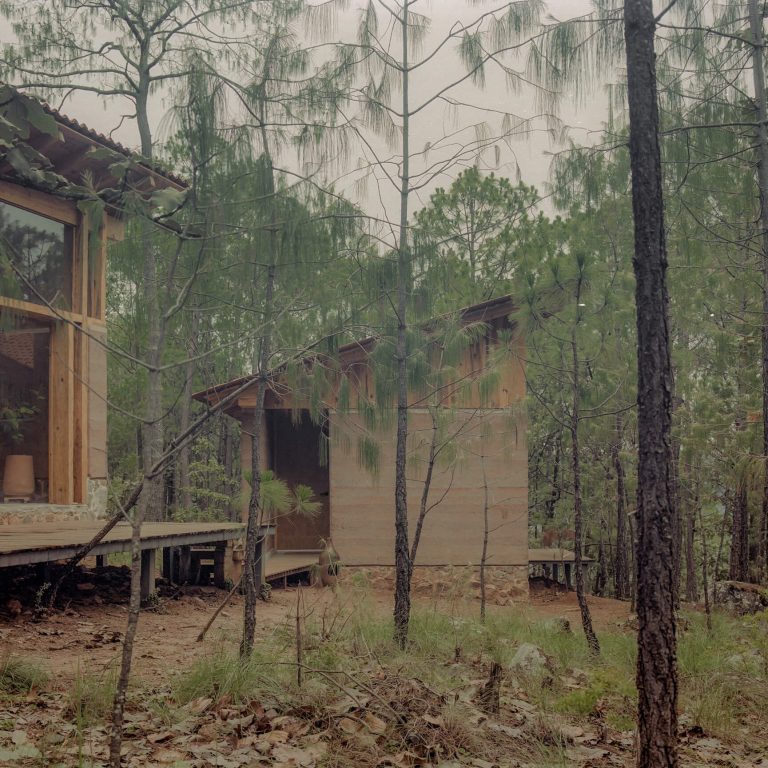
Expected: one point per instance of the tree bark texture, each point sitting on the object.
(586, 618)
(654, 555)
(403, 565)
(152, 500)
(255, 509)
(134, 607)
(761, 109)
(739, 561)
(691, 584)
(620, 560)
(423, 505)
(484, 553)
(183, 482)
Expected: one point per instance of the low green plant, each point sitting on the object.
(223, 673)
(20, 675)
(91, 695)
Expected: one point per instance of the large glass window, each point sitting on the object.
(24, 399)
(35, 258)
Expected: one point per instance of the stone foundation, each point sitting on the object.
(37, 512)
(12, 514)
(504, 584)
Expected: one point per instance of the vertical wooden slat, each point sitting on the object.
(80, 418)
(61, 415)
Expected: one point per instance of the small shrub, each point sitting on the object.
(18, 675)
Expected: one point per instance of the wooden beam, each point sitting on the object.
(38, 310)
(80, 420)
(61, 409)
(39, 202)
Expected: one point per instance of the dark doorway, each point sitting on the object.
(295, 457)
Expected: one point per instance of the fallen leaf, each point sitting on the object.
(156, 738)
(168, 756)
(433, 720)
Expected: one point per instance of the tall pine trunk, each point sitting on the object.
(739, 560)
(761, 109)
(152, 502)
(183, 484)
(262, 354)
(656, 642)
(403, 566)
(620, 560)
(691, 583)
(586, 618)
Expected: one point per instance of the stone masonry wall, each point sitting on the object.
(95, 509)
(504, 585)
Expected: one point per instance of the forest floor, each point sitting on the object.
(361, 701)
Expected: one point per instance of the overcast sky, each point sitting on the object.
(528, 155)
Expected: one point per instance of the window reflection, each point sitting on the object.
(41, 250)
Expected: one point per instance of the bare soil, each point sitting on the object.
(88, 633)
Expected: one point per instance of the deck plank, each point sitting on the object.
(24, 544)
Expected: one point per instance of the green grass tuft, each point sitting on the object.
(19, 675)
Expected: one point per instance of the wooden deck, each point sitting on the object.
(25, 544)
(281, 565)
(554, 555)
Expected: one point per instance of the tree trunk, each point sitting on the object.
(620, 564)
(761, 108)
(554, 496)
(691, 584)
(677, 526)
(423, 505)
(704, 560)
(657, 642)
(739, 558)
(601, 577)
(586, 618)
(739, 561)
(484, 553)
(403, 566)
(183, 487)
(255, 509)
(152, 501)
(134, 607)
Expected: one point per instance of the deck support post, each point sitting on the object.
(43, 572)
(147, 572)
(219, 557)
(168, 569)
(185, 564)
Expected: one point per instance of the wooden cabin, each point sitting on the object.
(357, 504)
(53, 371)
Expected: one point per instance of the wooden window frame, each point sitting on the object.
(68, 356)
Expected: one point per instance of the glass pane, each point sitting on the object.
(24, 388)
(41, 250)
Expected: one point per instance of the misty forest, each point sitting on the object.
(383, 383)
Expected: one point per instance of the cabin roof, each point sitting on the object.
(71, 155)
(476, 313)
